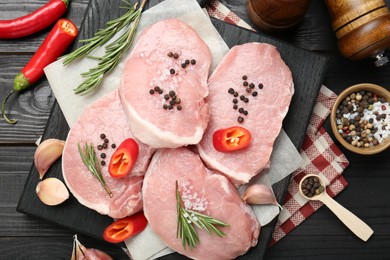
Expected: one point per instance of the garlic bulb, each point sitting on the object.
(259, 194)
(52, 191)
(80, 252)
(46, 154)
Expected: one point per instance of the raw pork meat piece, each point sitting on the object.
(149, 66)
(214, 195)
(260, 63)
(104, 116)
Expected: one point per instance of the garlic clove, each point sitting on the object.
(259, 194)
(80, 252)
(46, 154)
(52, 191)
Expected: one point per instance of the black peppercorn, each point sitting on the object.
(231, 91)
(157, 88)
(241, 110)
(246, 100)
(102, 163)
(187, 62)
(113, 146)
(245, 77)
(242, 97)
(170, 54)
(165, 106)
(172, 71)
(175, 55)
(102, 155)
(179, 107)
(104, 145)
(166, 96)
(249, 90)
(254, 93)
(235, 101)
(100, 147)
(178, 101)
(193, 62)
(172, 102)
(260, 86)
(106, 140)
(183, 65)
(151, 91)
(172, 93)
(245, 83)
(235, 106)
(252, 85)
(240, 119)
(245, 112)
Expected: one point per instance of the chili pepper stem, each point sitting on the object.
(10, 121)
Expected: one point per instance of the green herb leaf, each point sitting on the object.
(114, 50)
(90, 160)
(187, 220)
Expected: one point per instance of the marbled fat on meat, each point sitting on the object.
(149, 66)
(261, 63)
(104, 116)
(217, 198)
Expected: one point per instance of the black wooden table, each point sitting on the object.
(322, 236)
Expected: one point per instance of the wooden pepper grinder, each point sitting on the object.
(277, 15)
(362, 28)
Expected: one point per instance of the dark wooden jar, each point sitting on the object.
(362, 28)
(277, 15)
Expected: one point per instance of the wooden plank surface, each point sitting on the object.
(322, 236)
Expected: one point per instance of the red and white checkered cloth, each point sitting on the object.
(321, 155)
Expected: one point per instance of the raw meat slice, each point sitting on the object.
(149, 66)
(213, 195)
(260, 63)
(104, 116)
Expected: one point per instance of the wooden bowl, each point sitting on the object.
(379, 91)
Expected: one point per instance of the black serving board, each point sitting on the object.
(308, 71)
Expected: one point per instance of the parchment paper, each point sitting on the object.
(284, 160)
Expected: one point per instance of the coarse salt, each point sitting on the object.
(192, 200)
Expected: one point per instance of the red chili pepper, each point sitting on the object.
(231, 139)
(54, 45)
(123, 159)
(33, 22)
(122, 229)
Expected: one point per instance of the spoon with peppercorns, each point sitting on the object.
(312, 187)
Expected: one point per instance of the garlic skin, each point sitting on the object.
(80, 252)
(52, 191)
(259, 194)
(46, 154)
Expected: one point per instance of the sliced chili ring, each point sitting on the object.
(231, 139)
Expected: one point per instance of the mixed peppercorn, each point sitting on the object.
(250, 88)
(171, 99)
(311, 186)
(362, 119)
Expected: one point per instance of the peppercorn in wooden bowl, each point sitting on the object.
(360, 119)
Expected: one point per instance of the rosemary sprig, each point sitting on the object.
(188, 219)
(113, 51)
(90, 160)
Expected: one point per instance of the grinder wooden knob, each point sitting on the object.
(277, 15)
(362, 28)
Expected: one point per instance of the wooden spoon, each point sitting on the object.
(355, 224)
